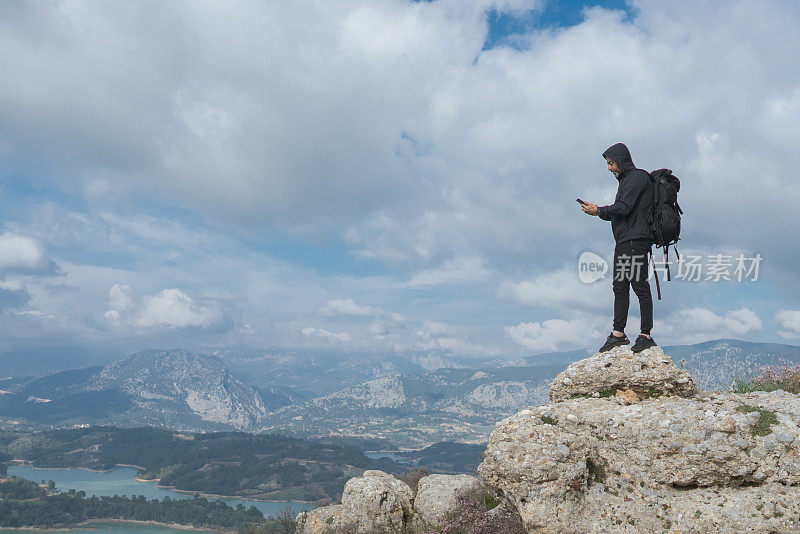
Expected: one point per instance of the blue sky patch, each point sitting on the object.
(503, 26)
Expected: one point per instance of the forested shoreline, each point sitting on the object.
(264, 467)
(24, 503)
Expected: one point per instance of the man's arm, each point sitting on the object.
(631, 189)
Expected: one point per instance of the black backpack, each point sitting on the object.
(665, 225)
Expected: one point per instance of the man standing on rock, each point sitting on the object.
(630, 217)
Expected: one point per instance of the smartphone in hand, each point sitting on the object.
(581, 201)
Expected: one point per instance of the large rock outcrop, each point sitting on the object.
(377, 499)
(373, 502)
(716, 462)
(628, 445)
(647, 373)
(321, 520)
(377, 502)
(437, 495)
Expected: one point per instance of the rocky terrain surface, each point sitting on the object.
(627, 444)
(376, 503)
(621, 369)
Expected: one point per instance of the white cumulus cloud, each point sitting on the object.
(554, 334)
(693, 325)
(175, 309)
(559, 289)
(20, 253)
(12, 284)
(442, 337)
(119, 300)
(789, 320)
(342, 337)
(350, 307)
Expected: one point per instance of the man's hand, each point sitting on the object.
(589, 208)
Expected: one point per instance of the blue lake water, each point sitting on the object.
(392, 455)
(122, 481)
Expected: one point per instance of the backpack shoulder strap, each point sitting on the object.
(655, 273)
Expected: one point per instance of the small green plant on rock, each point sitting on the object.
(597, 469)
(490, 502)
(766, 419)
(549, 420)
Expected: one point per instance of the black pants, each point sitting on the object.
(630, 269)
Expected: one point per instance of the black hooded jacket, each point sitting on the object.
(632, 209)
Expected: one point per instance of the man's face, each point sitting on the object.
(613, 168)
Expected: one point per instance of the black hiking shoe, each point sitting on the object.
(614, 341)
(642, 343)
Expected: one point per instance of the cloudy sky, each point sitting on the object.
(386, 175)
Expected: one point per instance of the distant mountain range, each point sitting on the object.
(415, 410)
(715, 364)
(313, 375)
(396, 399)
(174, 388)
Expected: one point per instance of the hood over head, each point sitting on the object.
(621, 155)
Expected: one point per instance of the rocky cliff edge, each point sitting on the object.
(627, 445)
